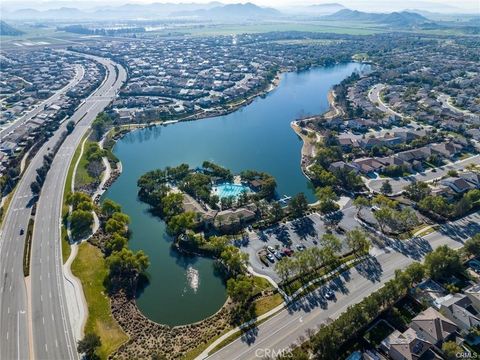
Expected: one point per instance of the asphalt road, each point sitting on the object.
(374, 97)
(289, 326)
(52, 331)
(80, 71)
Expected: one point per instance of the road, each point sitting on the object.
(52, 332)
(399, 183)
(79, 73)
(374, 97)
(289, 325)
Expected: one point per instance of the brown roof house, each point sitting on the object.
(409, 345)
(433, 326)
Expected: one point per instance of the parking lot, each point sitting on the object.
(294, 235)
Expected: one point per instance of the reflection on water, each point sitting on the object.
(193, 278)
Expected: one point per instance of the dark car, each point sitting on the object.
(287, 252)
(329, 294)
(21, 231)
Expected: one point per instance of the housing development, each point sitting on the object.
(236, 181)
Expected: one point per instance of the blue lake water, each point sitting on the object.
(258, 136)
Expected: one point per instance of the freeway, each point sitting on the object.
(52, 330)
(79, 73)
(15, 312)
(292, 324)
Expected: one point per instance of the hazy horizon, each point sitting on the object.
(365, 5)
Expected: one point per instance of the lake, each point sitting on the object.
(258, 136)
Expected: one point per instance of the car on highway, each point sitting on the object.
(270, 249)
(22, 231)
(270, 257)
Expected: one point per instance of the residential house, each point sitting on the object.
(409, 345)
(459, 309)
(473, 293)
(457, 184)
(433, 326)
(368, 165)
(428, 291)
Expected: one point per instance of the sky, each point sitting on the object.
(372, 5)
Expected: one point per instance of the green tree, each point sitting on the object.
(172, 204)
(298, 205)
(386, 187)
(327, 197)
(361, 203)
(109, 207)
(332, 242)
(443, 262)
(127, 264)
(88, 345)
(70, 126)
(451, 350)
(240, 289)
(233, 260)
(81, 222)
(115, 243)
(76, 198)
(357, 241)
(471, 247)
(277, 211)
(180, 223)
(383, 216)
(417, 190)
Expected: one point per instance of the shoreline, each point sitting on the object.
(308, 148)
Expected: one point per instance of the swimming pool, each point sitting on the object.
(227, 190)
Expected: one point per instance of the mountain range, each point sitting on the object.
(8, 30)
(401, 19)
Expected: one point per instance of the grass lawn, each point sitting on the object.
(90, 267)
(265, 304)
(82, 178)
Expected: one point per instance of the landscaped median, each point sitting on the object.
(91, 268)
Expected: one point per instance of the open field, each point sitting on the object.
(90, 267)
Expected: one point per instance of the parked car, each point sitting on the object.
(475, 265)
(271, 249)
(270, 257)
(278, 255)
(22, 231)
(300, 247)
(328, 293)
(287, 252)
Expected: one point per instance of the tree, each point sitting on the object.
(472, 246)
(70, 126)
(126, 263)
(443, 262)
(357, 241)
(386, 187)
(360, 203)
(383, 215)
(417, 190)
(240, 289)
(451, 350)
(81, 222)
(234, 260)
(332, 242)
(172, 204)
(115, 243)
(327, 198)
(76, 198)
(285, 268)
(277, 211)
(88, 345)
(298, 205)
(109, 207)
(178, 224)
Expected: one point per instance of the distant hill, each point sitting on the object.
(329, 8)
(233, 11)
(395, 19)
(7, 30)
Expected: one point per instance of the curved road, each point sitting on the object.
(52, 331)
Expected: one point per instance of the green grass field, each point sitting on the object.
(82, 178)
(90, 267)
